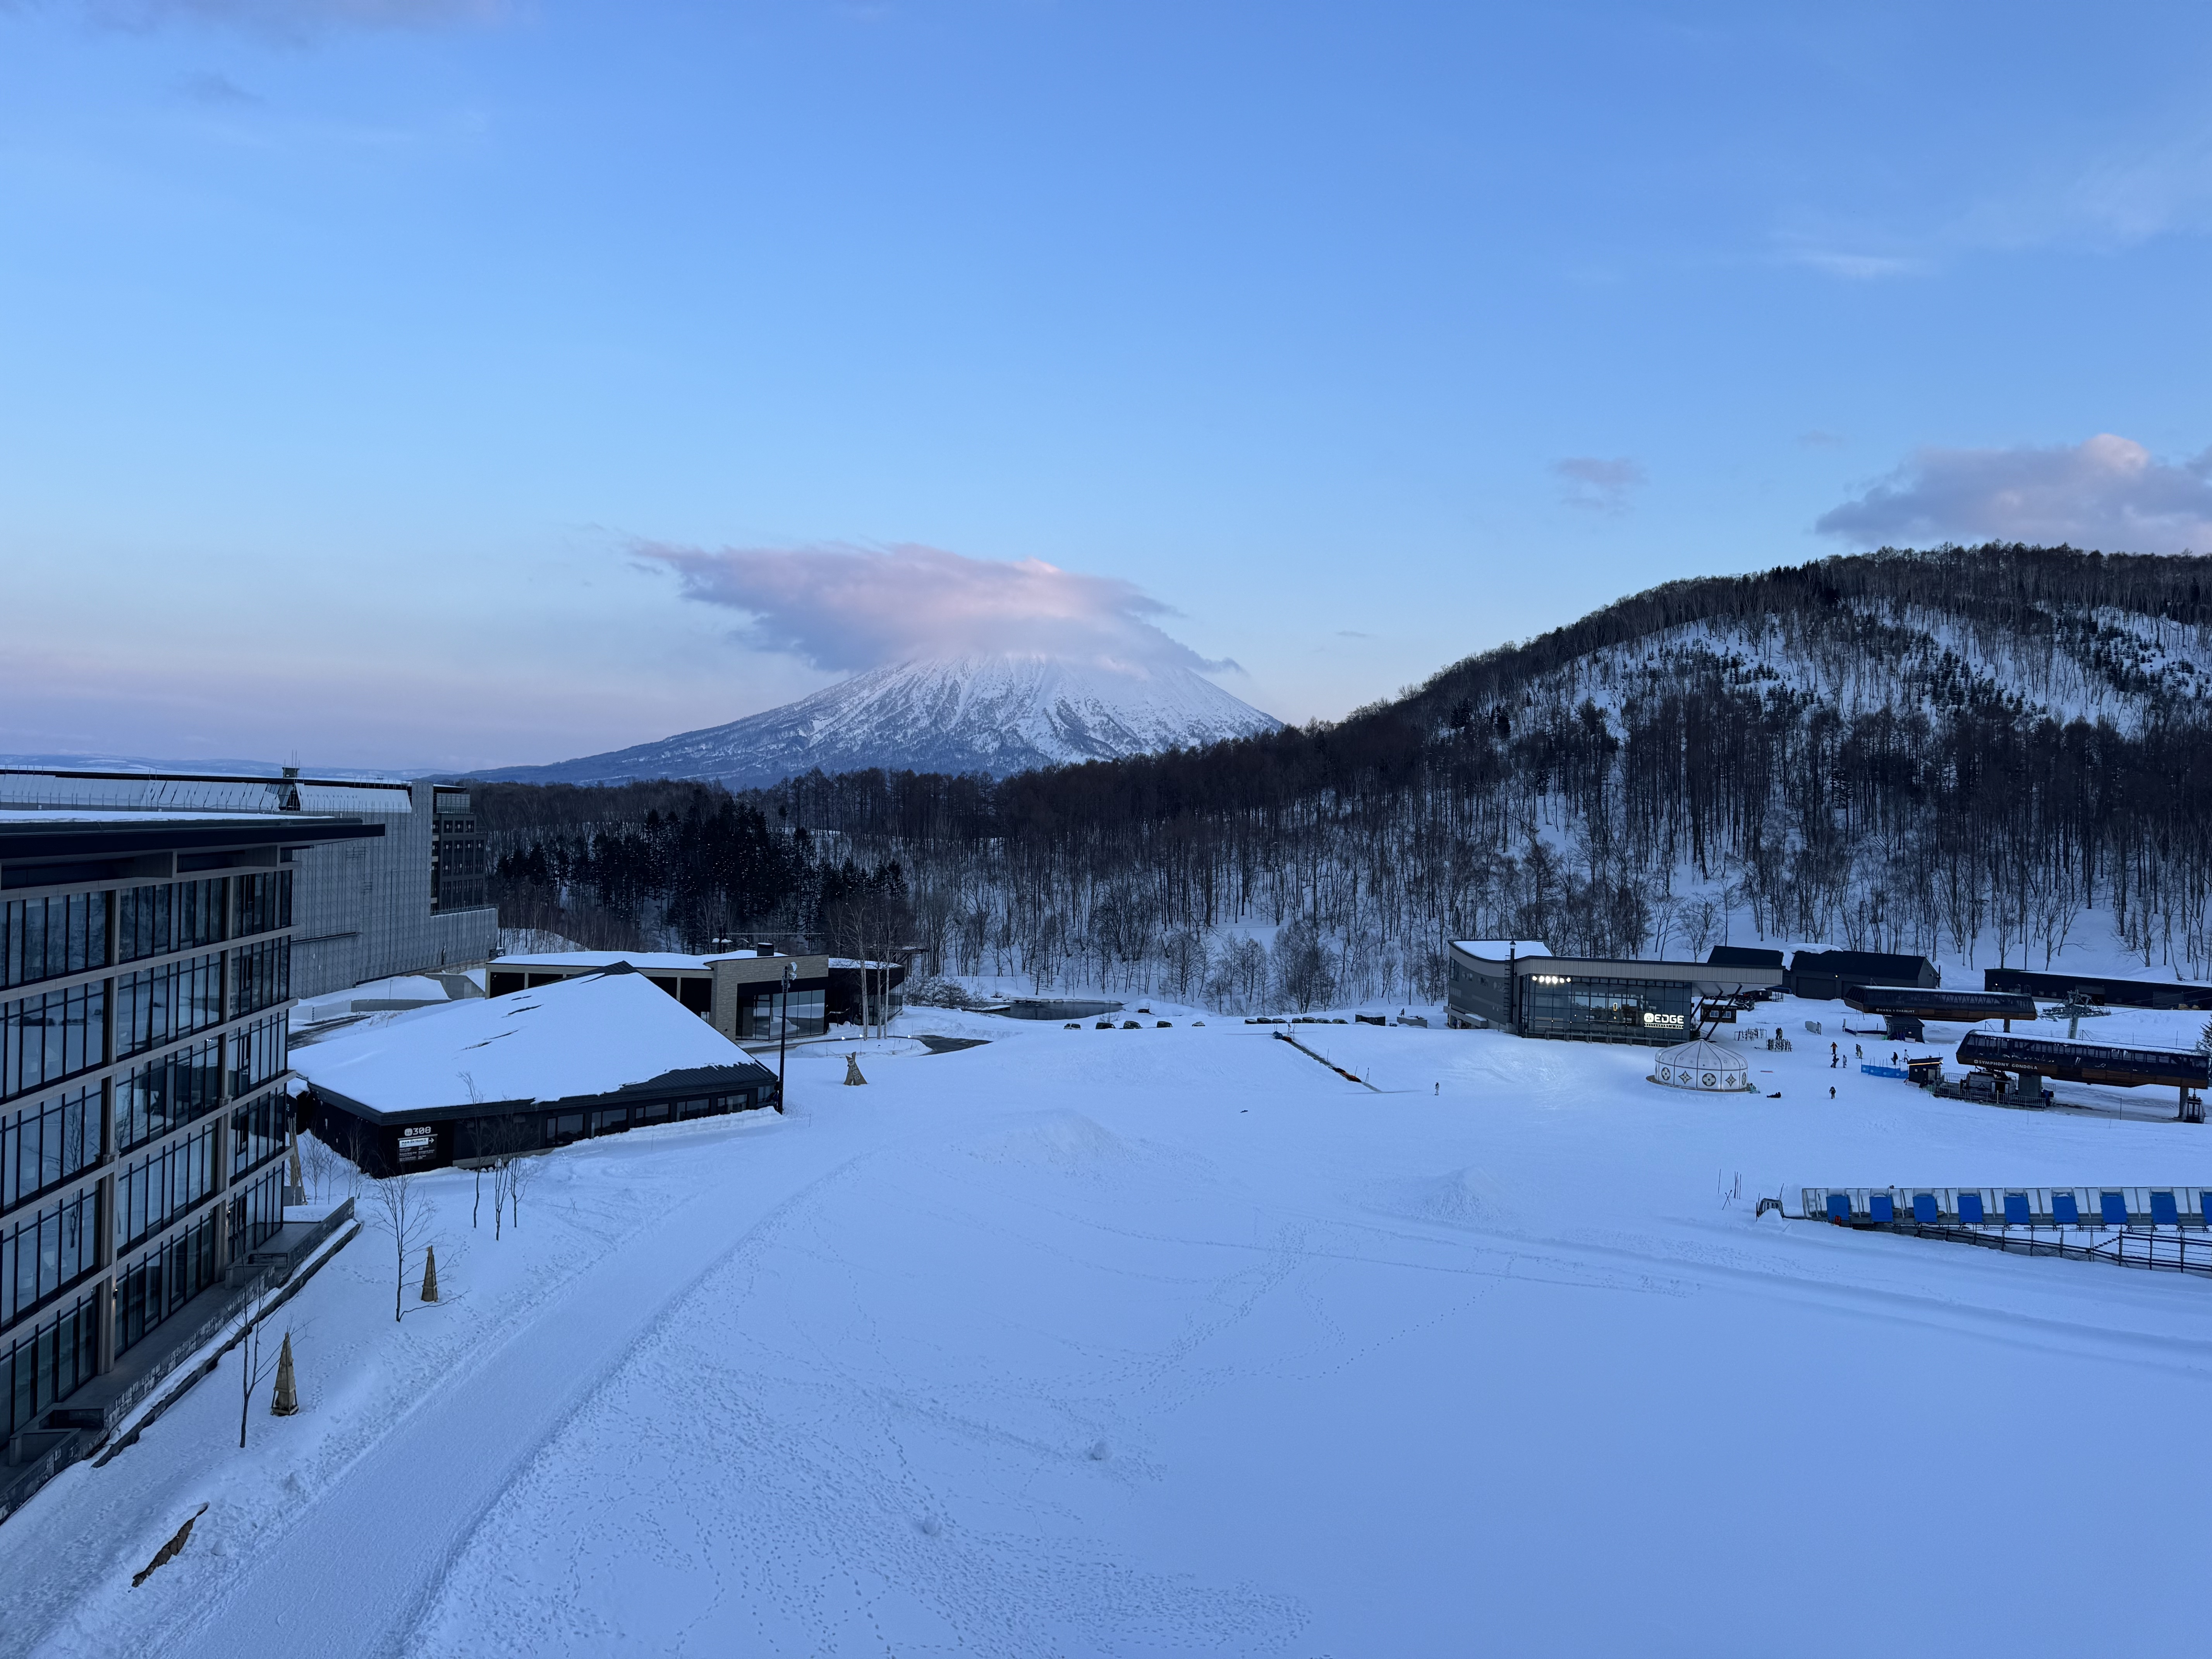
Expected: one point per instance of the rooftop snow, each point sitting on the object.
(644, 961)
(1499, 949)
(583, 1036)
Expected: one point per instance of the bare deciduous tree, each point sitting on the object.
(400, 1210)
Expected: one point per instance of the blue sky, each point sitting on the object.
(350, 352)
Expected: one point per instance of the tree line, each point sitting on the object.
(1964, 751)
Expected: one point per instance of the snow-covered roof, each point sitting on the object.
(12, 814)
(138, 794)
(643, 960)
(1501, 949)
(582, 1036)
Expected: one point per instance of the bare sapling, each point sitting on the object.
(252, 1366)
(400, 1210)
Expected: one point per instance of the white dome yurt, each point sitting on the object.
(1713, 1066)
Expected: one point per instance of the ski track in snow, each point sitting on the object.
(1172, 1342)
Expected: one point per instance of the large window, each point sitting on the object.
(41, 1367)
(761, 1013)
(265, 903)
(43, 1146)
(45, 938)
(150, 1289)
(44, 1252)
(155, 1190)
(261, 975)
(168, 1093)
(257, 1054)
(175, 915)
(257, 1213)
(1562, 1005)
(255, 1131)
(44, 1039)
(156, 1006)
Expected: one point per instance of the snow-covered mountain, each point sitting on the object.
(995, 713)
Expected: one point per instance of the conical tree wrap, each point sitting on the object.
(430, 1274)
(285, 1402)
(852, 1070)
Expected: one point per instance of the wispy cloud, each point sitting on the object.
(1855, 267)
(211, 87)
(846, 608)
(1599, 484)
(1817, 439)
(2108, 493)
(2155, 182)
(294, 20)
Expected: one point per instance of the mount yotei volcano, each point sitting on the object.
(994, 713)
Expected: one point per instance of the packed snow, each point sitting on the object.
(1158, 1341)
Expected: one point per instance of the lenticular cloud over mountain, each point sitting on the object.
(854, 607)
(965, 666)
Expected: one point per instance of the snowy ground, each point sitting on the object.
(1165, 1342)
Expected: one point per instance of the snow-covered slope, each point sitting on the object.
(995, 713)
(1175, 1342)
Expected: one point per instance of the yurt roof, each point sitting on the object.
(1702, 1056)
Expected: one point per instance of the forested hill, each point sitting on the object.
(1963, 752)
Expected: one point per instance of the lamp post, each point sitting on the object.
(783, 1031)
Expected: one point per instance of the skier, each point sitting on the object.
(1831, 1091)
(1859, 1049)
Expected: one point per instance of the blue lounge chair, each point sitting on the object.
(2113, 1207)
(2164, 1211)
(1839, 1206)
(2018, 1212)
(1881, 1209)
(1926, 1211)
(1970, 1208)
(2064, 1211)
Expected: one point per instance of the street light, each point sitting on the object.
(783, 1030)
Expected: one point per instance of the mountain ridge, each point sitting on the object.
(992, 712)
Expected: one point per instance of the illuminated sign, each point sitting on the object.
(1671, 1022)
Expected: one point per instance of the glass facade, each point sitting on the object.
(157, 1006)
(44, 1039)
(45, 938)
(44, 1251)
(1576, 1005)
(261, 976)
(265, 903)
(191, 1173)
(173, 915)
(162, 1280)
(44, 1145)
(154, 1190)
(257, 1211)
(760, 1014)
(46, 1363)
(168, 1093)
(257, 1053)
(257, 1131)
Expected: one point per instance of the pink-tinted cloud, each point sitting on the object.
(849, 608)
(2107, 493)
